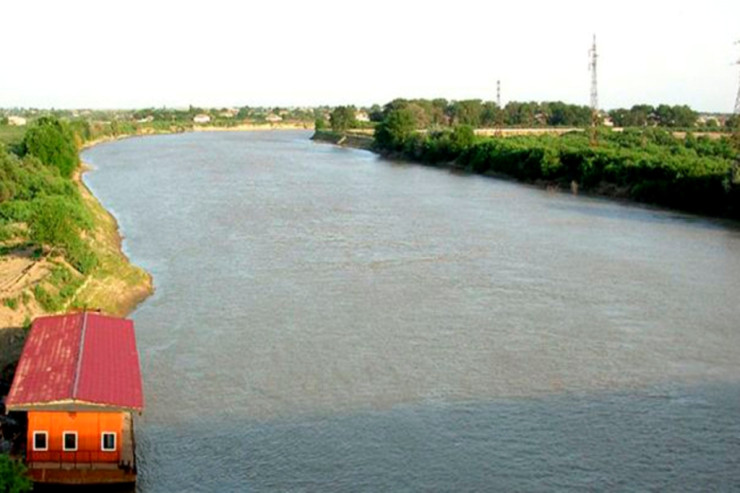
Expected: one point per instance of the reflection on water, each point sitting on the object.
(327, 320)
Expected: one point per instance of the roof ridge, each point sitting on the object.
(79, 356)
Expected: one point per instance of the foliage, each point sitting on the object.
(643, 115)
(319, 124)
(48, 301)
(649, 165)
(53, 142)
(477, 113)
(467, 112)
(50, 205)
(397, 127)
(12, 137)
(13, 476)
(343, 118)
(58, 222)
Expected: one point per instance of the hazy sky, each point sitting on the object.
(72, 53)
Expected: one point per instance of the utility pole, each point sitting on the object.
(498, 92)
(593, 56)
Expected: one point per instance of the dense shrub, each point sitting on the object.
(13, 475)
(53, 142)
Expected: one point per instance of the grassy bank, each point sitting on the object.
(60, 249)
(349, 139)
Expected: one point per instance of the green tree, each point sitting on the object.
(319, 124)
(521, 114)
(683, 116)
(53, 222)
(462, 138)
(491, 114)
(57, 221)
(619, 117)
(397, 128)
(53, 142)
(376, 113)
(13, 476)
(439, 111)
(559, 113)
(640, 115)
(467, 112)
(343, 118)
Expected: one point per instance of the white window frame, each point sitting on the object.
(102, 441)
(46, 439)
(64, 441)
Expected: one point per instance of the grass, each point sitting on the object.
(115, 285)
(11, 135)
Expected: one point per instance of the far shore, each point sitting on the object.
(249, 127)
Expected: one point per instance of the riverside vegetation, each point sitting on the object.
(59, 249)
(646, 163)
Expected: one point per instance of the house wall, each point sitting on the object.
(88, 425)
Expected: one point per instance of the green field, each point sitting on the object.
(11, 135)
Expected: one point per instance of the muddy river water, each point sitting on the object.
(326, 320)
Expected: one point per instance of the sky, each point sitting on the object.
(137, 54)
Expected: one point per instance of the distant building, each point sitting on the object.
(18, 121)
(273, 118)
(148, 119)
(202, 118)
(362, 116)
(706, 120)
(229, 113)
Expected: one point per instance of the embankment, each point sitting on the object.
(114, 286)
(358, 141)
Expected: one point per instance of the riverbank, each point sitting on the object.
(115, 286)
(354, 140)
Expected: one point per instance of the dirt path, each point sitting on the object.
(19, 273)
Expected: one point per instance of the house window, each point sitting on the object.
(40, 441)
(69, 441)
(108, 441)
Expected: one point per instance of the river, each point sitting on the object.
(326, 320)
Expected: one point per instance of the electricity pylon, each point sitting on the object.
(500, 111)
(593, 56)
(737, 98)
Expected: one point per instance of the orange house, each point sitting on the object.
(79, 381)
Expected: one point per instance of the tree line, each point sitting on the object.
(437, 113)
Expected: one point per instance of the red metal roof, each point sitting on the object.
(78, 359)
